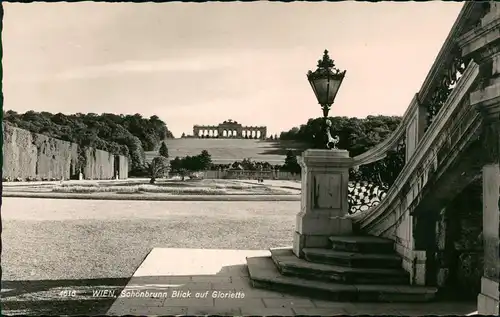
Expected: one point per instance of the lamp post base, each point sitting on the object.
(324, 207)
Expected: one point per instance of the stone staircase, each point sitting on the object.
(355, 268)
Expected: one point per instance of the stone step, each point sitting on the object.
(352, 259)
(289, 264)
(264, 274)
(362, 244)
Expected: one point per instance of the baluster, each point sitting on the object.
(369, 183)
(451, 75)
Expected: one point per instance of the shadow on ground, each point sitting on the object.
(96, 296)
(281, 147)
(59, 297)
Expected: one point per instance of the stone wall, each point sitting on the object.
(99, 164)
(31, 156)
(122, 167)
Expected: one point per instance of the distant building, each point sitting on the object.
(230, 129)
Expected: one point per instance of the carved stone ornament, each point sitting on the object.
(455, 69)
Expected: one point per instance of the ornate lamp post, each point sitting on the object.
(325, 174)
(325, 82)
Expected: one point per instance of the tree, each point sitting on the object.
(357, 136)
(157, 168)
(205, 160)
(291, 165)
(163, 150)
(248, 164)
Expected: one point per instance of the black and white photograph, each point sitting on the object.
(250, 158)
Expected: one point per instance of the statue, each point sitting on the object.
(332, 142)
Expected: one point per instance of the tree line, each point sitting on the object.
(129, 135)
(161, 165)
(132, 135)
(357, 135)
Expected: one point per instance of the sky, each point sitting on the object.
(203, 63)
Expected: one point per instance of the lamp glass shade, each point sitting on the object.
(325, 88)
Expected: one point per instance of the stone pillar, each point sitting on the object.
(324, 207)
(489, 104)
(488, 299)
(487, 100)
(483, 45)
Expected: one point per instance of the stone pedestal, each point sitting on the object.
(325, 177)
(488, 299)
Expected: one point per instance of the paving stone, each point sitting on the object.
(236, 270)
(237, 283)
(331, 304)
(166, 279)
(188, 302)
(262, 293)
(230, 286)
(138, 301)
(371, 309)
(197, 311)
(113, 311)
(160, 311)
(196, 286)
(319, 311)
(211, 279)
(244, 280)
(437, 308)
(250, 311)
(241, 302)
(287, 302)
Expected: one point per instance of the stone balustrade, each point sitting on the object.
(446, 141)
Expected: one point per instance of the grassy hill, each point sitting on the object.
(226, 151)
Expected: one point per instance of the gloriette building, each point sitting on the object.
(230, 129)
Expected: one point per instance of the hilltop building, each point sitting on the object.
(230, 129)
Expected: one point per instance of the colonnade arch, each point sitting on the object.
(251, 134)
(230, 129)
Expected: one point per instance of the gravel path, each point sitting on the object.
(49, 244)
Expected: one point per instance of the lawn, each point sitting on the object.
(162, 186)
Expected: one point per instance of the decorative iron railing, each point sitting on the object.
(369, 183)
(380, 167)
(453, 128)
(449, 78)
